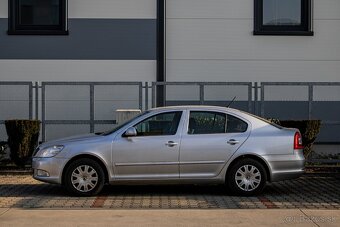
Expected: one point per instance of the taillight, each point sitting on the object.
(298, 141)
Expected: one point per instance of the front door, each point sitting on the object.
(154, 152)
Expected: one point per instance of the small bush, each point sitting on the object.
(23, 137)
(309, 130)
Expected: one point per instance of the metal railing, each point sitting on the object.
(310, 110)
(16, 101)
(92, 104)
(201, 100)
(91, 121)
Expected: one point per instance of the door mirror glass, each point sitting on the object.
(130, 132)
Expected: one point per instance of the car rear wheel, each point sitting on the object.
(84, 177)
(247, 177)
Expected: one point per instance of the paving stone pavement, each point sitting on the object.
(308, 192)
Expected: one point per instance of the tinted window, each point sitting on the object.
(37, 17)
(235, 125)
(278, 12)
(40, 12)
(206, 122)
(283, 17)
(159, 125)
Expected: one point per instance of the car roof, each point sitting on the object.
(194, 107)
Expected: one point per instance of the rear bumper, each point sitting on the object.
(286, 167)
(280, 176)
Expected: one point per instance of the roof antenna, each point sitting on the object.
(231, 102)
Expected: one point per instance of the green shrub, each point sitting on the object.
(309, 130)
(23, 137)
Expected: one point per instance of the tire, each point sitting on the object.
(84, 177)
(247, 177)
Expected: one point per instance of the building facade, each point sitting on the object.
(175, 41)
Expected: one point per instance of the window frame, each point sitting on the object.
(15, 28)
(207, 111)
(305, 29)
(149, 117)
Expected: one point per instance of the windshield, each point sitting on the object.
(119, 126)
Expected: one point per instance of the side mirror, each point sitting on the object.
(130, 132)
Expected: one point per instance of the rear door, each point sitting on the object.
(208, 141)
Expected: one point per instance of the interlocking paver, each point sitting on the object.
(307, 192)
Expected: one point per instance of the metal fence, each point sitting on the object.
(304, 100)
(16, 102)
(85, 107)
(206, 93)
(67, 108)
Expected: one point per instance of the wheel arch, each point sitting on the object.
(254, 157)
(89, 156)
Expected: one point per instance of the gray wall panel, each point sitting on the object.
(116, 39)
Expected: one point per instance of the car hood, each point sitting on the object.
(70, 139)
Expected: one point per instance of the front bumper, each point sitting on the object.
(286, 167)
(52, 166)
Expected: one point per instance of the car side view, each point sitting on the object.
(176, 145)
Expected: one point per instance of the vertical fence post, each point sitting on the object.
(256, 97)
(262, 99)
(30, 101)
(43, 113)
(201, 94)
(36, 100)
(310, 100)
(146, 95)
(140, 87)
(250, 97)
(91, 108)
(153, 94)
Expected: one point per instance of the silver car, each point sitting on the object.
(184, 144)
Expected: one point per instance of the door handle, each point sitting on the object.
(171, 144)
(233, 142)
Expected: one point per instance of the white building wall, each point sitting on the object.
(212, 41)
(143, 9)
(137, 9)
(3, 9)
(86, 70)
(78, 70)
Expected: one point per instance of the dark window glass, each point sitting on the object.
(235, 125)
(39, 17)
(282, 17)
(278, 12)
(39, 12)
(159, 125)
(206, 122)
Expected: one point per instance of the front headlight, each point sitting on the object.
(49, 152)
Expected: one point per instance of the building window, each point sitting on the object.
(283, 17)
(37, 17)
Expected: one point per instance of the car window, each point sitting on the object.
(159, 125)
(203, 122)
(235, 125)
(121, 125)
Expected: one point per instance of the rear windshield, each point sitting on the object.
(265, 120)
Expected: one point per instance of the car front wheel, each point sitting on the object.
(84, 177)
(247, 177)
